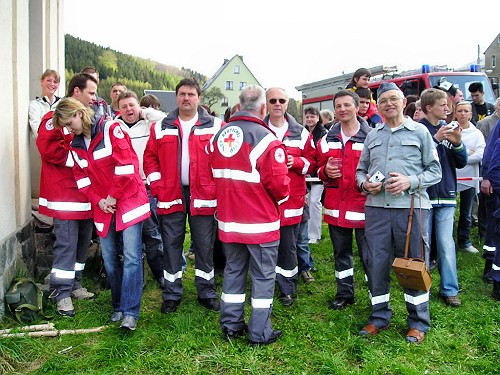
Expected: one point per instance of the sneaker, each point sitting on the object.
(307, 277)
(469, 249)
(452, 301)
(65, 307)
(129, 322)
(116, 317)
(82, 293)
(286, 300)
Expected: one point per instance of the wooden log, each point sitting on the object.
(35, 327)
(53, 333)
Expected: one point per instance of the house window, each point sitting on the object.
(236, 69)
(242, 85)
(493, 61)
(224, 102)
(229, 85)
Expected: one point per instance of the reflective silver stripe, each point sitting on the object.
(495, 267)
(204, 275)
(355, 216)
(262, 303)
(323, 144)
(444, 201)
(136, 212)
(283, 200)
(233, 298)
(70, 163)
(205, 131)
(107, 150)
(489, 248)
(293, 212)
(121, 170)
(203, 203)
(417, 300)
(65, 206)
(167, 205)
(307, 164)
(172, 277)
(83, 163)
(380, 299)
(161, 133)
(335, 145)
(79, 266)
(249, 228)
(83, 182)
(155, 176)
(63, 274)
(99, 226)
(332, 213)
(358, 146)
(233, 174)
(287, 273)
(343, 274)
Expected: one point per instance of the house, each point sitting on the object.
(231, 77)
(491, 67)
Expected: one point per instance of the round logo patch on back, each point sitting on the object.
(48, 125)
(118, 133)
(279, 155)
(230, 141)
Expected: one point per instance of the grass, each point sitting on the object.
(316, 340)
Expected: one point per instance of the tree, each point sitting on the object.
(212, 96)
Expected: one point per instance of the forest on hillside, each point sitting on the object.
(136, 73)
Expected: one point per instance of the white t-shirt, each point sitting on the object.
(280, 132)
(186, 130)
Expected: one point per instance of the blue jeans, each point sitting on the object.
(125, 278)
(446, 255)
(304, 258)
(465, 219)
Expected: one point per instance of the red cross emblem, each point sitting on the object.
(229, 140)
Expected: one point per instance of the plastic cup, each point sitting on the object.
(336, 162)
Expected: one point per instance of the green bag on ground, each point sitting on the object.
(25, 301)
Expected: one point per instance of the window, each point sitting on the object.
(493, 61)
(224, 102)
(236, 69)
(229, 85)
(242, 85)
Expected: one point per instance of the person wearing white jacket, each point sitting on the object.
(468, 189)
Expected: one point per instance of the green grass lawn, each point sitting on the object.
(316, 340)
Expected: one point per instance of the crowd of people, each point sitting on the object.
(260, 182)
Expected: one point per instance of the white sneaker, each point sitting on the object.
(65, 307)
(82, 293)
(470, 249)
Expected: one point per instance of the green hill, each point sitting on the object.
(136, 73)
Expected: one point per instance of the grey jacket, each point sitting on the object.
(410, 151)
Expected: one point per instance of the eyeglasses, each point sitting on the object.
(273, 101)
(391, 99)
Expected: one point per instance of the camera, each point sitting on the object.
(453, 125)
(377, 177)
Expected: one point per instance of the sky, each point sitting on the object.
(289, 43)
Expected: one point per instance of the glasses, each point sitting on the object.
(392, 100)
(273, 101)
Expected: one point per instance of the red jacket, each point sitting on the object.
(162, 164)
(110, 167)
(248, 164)
(344, 203)
(59, 195)
(298, 143)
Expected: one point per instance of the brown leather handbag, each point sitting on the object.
(412, 273)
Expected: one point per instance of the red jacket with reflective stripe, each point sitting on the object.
(162, 164)
(59, 195)
(344, 203)
(298, 143)
(110, 167)
(248, 164)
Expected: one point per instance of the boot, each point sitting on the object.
(496, 290)
(487, 272)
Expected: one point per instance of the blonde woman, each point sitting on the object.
(107, 171)
(49, 82)
(474, 141)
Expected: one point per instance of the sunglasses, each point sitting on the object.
(273, 101)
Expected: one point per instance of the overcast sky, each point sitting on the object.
(287, 43)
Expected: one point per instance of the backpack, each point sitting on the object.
(25, 301)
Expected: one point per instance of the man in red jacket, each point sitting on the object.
(176, 166)
(249, 166)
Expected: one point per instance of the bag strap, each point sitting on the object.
(420, 214)
(408, 229)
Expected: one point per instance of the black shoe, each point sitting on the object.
(487, 272)
(340, 303)
(210, 303)
(161, 282)
(496, 290)
(286, 300)
(433, 265)
(229, 335)
(275, 335)
(169, 306)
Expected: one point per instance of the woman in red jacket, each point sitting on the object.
(107, 171)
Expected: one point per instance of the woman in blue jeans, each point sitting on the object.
(107, 170)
